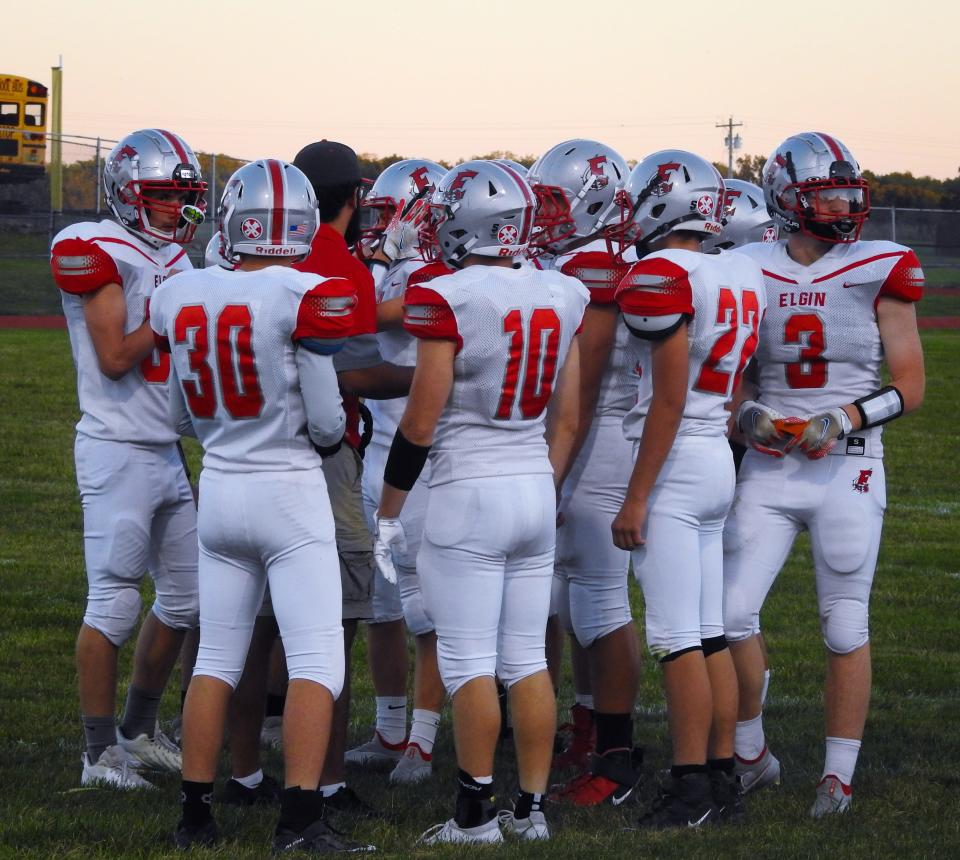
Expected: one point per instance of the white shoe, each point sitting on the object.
(157, 753)
(414, 766)
(375, 753)
(761, 772)
(271, 735)
(534, 827)
(115, 767)
(833, 797)
(450, 832)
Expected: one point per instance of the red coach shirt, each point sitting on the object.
(330, 256)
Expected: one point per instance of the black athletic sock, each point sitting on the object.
(614, 731)
(196, 799)
(275, 705)
(299, 808)
(681, 770)
(527, 802)
(725, 765)
(140, 713)
(475, 802)
(98, 733)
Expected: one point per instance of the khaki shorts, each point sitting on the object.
(343, 472)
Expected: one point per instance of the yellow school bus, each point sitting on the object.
(23, 126)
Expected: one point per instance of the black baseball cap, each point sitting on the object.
(327, 162)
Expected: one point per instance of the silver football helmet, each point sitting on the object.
(401, 194)
(669, 190)
(813, 185)
(268, 209)
(746, 218)
(516, 165)
(576, 183)
(141, 166)
(480, 207)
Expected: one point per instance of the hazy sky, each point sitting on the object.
(449, 80)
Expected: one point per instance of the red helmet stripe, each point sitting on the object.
(276, 216)
(834, 146)
(527, 195)
(177, 145)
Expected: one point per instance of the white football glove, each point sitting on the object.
(390, 537)
(822, 432)
(756, 423)
(400, 241)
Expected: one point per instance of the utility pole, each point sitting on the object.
(730, 141)
(56, 138)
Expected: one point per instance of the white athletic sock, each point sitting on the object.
(392, 718)
(841, 759)
(749, 741)
(333, 788)
(483, 780)
(585, 699)
(766, 686)
(251, 781)
(423, 732)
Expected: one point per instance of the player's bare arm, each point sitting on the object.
(564, 415)
(390, 314)
(382, 381)
(897, 321)
(105, 313)
(670, 369)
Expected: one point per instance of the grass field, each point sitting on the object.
(907, 783)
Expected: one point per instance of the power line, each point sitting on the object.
(731, 142)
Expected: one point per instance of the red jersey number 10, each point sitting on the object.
(537, 349)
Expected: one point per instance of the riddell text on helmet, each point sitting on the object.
(274, 251)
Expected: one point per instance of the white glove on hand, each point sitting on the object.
(389, 538)
(822, 432)
(756, 423)
(400, 241)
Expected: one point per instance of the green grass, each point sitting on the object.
(907, 782)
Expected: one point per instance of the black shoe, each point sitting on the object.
(237, 794)
(187, 836)
(685, 801)
(318, 838)
(346, 801)
(728, 797)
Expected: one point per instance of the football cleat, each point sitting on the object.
(685, 802)
(271, 735)
(757, 773)
(833, 797)
(450, 833)
(414, 766)
(534, 827)
(189, 836)
(156, 753)
(237, 794)
(728, 797)
(347, 802)
(318, 838)
(612, 778)
(375, 753)
(583, 738)
(115, 768)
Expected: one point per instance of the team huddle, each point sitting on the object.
(462, 405)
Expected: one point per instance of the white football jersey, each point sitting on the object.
(397, 346)
(600, 272)
(819, 342)
(85, 257)
(232, 336)
(513, 329)
(724, 298)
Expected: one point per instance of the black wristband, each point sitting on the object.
(329, 450)
(404, 463)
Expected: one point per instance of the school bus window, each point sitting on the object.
(33, 115)
(9, 113)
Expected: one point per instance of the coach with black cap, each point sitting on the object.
(334, 171)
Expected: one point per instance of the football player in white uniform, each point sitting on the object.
(138, 510)
(576, 183)
(838, 308)
(251, 354)
(494, 337)
(694, 318)
(392, 213)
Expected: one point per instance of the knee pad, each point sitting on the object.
(845, 625)
(516, 670)
(115, 615)
(666, 644)
(668, 658)
(459, 669)
(599, 604)
(713, 645)
(182, 613)
(415, 614)
(316, 655)
(739, 620)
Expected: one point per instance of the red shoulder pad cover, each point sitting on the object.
(905, 281)
(426, 314)
(427, 273)
(655, 287)
(326, 311)
(599, 272)
(80, 266)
